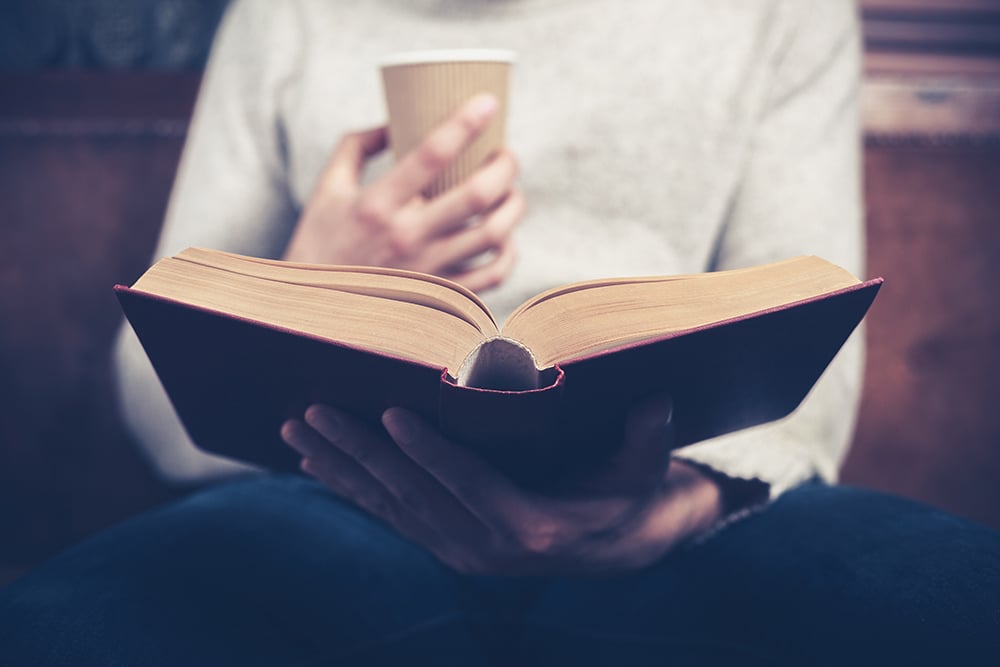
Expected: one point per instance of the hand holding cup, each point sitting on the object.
(463, 233)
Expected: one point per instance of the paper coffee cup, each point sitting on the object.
(423, 88)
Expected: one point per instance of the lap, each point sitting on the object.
(276, 571)
(825, 575)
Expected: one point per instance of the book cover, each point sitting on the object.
(234, 381)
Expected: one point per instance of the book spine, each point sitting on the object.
(517, 431)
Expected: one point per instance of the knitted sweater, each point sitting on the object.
(654, 138)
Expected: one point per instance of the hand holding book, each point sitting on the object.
(439, 494)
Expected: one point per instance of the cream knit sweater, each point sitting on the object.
(654, 138)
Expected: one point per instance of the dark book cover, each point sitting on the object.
(233, 381)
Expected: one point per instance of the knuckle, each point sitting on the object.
(401, 243)
(538, 539)
(494, 233)
(372, 212)
(535, 545)
(433, 155)
(470, 124)
(479, 195)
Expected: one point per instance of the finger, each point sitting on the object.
(486, 189)
(304, 440)
(342, 475)
(489, 274)
(367, 496)
(687, 505)
(489, 234)
(336, 470)
(476, 485)
(416, 490)
(332, 467)
(349, 157)
(649, 438)
(418, 168)
(640, 464)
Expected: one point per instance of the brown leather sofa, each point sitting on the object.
(86, 164)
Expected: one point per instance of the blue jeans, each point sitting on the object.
(276, 571)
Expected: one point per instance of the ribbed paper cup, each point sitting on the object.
(423, 88)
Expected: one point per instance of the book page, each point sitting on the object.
(400, 328)
(394, 284)
(582, 319)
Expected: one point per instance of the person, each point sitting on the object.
(657, 138)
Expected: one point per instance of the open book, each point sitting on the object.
(241, 344)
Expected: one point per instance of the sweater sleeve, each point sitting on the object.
(230, 193)
(801, 194)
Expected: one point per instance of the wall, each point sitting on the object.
(928, 427)
(107, 34)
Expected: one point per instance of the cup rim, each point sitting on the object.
(428, 56)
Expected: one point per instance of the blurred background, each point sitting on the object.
(95, 97)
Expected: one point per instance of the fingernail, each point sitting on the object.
(288, 432)
(324, 420)
(669, 432)
(483, 105)
(291, 433)
(399, 425)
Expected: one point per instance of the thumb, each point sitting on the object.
(649, 439)
(349, 157)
